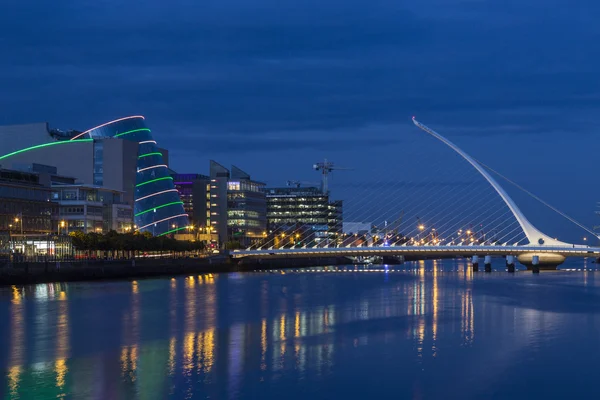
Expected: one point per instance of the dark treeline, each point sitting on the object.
(131, 242)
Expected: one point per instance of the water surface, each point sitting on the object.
(427, 330)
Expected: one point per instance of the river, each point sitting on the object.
(422, 330)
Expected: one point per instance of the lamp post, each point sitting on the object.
(17, 220)
(421, 229)
(62, 225)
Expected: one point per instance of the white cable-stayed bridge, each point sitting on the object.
(445, 226)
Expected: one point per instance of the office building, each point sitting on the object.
(25, 204)
(120, 155)
(88, 208)
(237, 205)
(194, 192)
(246, 208)
(225, 206)
(75, 206)
(307, 211)
(28, 218)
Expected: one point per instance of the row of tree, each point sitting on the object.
(112, 241)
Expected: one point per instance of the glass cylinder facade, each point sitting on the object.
(158, 208)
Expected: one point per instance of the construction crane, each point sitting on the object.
(326, 167)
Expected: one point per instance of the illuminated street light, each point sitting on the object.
(421, 227)
(17, 221)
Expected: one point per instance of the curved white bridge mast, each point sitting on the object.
(535, 236)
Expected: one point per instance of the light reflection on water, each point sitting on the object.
(418, 330)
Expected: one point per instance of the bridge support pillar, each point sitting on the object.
(475, 262)
(510, 263)
(543, 261)
(535, 264)
(488, 263)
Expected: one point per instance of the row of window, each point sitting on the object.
(297, 220)
(299, 213)
(242, 213)
(244, 222)
(124, 213)
(7, 223)
(71, 210)
(297, 199)
(26, 208)
(298, 207)
(13, 192)
(244, 186)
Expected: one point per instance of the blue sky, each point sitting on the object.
(275, 85)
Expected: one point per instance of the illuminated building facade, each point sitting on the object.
(157, 206)
(194, 191)
(88, 208)
(306, 209)
(25, 204)
(120, 155)
(246, 208)
(227, 205)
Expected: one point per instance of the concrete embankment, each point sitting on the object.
(44, 272)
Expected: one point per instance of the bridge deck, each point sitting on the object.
(577, 251)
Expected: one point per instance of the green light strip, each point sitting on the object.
(135, 130)
(153, 180)
(172, 230)
(156, 153)
(39, 146)
(161, 206)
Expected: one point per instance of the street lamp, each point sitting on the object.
(421, 229)
(17, 219)
(62, 225)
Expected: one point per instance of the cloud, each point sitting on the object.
(277, 66)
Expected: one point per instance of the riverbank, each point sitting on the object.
(47, 272)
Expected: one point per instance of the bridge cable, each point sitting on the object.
(540, 200)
